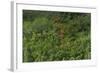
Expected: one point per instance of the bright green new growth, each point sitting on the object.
(56, 36)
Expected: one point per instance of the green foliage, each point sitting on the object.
(54, 36)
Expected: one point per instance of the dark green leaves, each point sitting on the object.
(54, 36)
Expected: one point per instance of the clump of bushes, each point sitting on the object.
(56, 36)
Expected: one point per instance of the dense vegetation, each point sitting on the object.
(56, 36)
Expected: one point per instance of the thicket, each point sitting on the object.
(56, 36)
